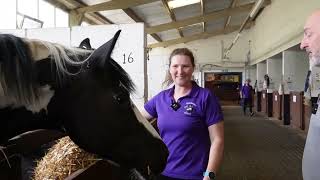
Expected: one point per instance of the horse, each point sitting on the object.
(81, 92)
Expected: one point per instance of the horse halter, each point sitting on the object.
(121, 95)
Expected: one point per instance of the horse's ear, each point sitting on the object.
(103, 53)
(85, 44)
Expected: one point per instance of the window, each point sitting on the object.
(84, 23)
(46, 14)
(26, 21)
(8, 14)
(62, 18)
(31, 14)
(29, 8)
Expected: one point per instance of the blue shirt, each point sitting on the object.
(185, 131)
(246, 91)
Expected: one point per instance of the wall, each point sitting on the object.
(261, 71)
(314, 80)
(279, 26)
(295, 67)
(253, 74)
(210, 50)
(206, 51)
(274, 70)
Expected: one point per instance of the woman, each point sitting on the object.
(246, 94)
(190, 122)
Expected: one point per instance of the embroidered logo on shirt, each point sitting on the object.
(189, 108)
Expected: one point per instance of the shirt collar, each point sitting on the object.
(193, 93)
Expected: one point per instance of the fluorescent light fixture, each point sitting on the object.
(256, 8)
(191, 25)
(179, 3)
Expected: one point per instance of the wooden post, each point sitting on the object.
(75, 18)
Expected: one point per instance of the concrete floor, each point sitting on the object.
(258, 148)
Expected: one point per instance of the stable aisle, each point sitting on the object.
(260, 149)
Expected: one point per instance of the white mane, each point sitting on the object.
(61, 56)
(42, 50)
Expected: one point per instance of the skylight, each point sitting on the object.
(179, 3)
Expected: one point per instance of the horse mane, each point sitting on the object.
(18, 76)
(123, 76)
(64, 56)
(61, 55)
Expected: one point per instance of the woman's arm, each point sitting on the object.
(216, 132)
(146, 115)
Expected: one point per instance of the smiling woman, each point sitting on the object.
(190, 122)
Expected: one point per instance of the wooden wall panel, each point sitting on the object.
(269, 104)
(277, 102)
(257, 101)
(286, 109)
(264, 97)
(296, 110)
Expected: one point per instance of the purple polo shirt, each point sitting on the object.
(246, 91)
(185, 131)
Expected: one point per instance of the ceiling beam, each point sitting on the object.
(114, 4)
(136, 18)
(194, 37)
(171, 14)
(204, 35)
(75, 18)
(71, 4)
(232, 5)
(208, 17)
(202, 13)
(59, 5)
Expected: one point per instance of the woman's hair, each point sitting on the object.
(179, 51)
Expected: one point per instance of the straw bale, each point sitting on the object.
(63, 159)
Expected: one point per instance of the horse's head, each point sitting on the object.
(92, 100)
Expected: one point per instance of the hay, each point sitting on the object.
(63, 159)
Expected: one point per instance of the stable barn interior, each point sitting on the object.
(232, 40)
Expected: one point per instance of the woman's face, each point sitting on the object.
(181, 70)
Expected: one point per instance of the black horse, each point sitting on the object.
(84, 93)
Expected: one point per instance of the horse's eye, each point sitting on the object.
(121, 98)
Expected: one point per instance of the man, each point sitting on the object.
(311, 155)
(246, 96)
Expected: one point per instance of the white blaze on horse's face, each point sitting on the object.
(145, 122)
